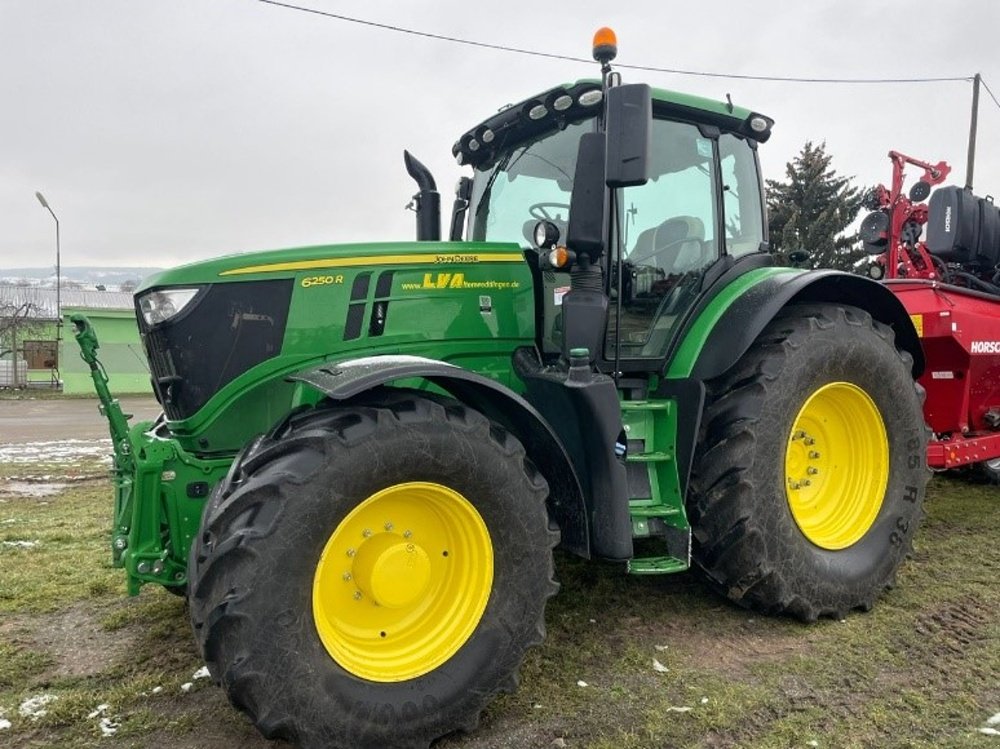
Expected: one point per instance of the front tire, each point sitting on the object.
(372, 576)
(811, 471)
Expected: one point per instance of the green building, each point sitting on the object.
(30, 355)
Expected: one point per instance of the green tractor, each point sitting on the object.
(368, 453)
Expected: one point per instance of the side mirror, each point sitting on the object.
(798, 257)
(463, 191)
(629, 128)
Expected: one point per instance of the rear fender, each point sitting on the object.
(736, 327)
(749, 314)
(347, 379)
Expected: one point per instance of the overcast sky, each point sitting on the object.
(170, 131)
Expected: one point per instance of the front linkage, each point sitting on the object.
(146, 465)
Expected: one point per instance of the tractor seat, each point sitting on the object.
(664, 246)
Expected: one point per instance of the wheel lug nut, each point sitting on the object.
(407, 534)
(366, 533)
(347, 576)
(811, 471)
(809, 441)
(806, 482)
(813, 455)
(357, 595)
(388, 526)
(351, 552)
(793, 484)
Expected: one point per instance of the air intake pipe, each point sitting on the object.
(426, 203)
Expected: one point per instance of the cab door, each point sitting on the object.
(701, 202)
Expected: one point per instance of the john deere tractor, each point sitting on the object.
(367, 453)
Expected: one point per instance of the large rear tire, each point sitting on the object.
(372, 576)
(811, 472)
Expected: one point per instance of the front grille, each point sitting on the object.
(228, 329)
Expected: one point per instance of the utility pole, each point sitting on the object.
(973, 124)
(59, 321)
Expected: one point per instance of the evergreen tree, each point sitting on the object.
(812, 210)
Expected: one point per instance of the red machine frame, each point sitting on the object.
(958, 326)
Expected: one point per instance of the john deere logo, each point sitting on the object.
(444, 281)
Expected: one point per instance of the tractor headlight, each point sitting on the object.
(546, 235)
(162, 304)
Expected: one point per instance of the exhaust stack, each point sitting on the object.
(426, 203)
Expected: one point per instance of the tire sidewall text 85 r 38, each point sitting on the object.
(823, 395)
(270, 552)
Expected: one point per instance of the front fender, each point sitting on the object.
(349, 378)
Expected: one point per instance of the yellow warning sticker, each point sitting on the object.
(918, 323)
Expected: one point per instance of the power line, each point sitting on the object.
(647, 68)
(424, 34)
(986, 86)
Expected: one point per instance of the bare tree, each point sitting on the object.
(19, 319)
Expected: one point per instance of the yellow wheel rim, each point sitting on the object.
(836, 465)
(403, 582)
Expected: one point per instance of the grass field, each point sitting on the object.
(629, 662)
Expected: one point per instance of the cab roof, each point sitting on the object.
(572, 102)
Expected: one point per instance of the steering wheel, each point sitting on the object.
(540, 211)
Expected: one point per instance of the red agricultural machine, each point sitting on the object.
(949, 282)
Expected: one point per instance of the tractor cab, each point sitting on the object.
(658, 243)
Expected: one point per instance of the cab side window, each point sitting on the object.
(741, 199)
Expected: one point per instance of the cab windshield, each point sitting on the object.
(530, 182)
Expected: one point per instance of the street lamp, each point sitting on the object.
(59, 322)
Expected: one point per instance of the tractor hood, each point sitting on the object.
(286, 263)
(216, 328)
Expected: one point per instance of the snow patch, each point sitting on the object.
(186, 686)
(108, 727)
(20, 544)
(34, 707)
(56, 451)
(661, 648)
(98, 710)
(31, 489)
(201, 673)
(989, 731)
(679, 709)
(4, 724)
(659, 667)
(993, 721)
(582, 683)
(157, 690)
